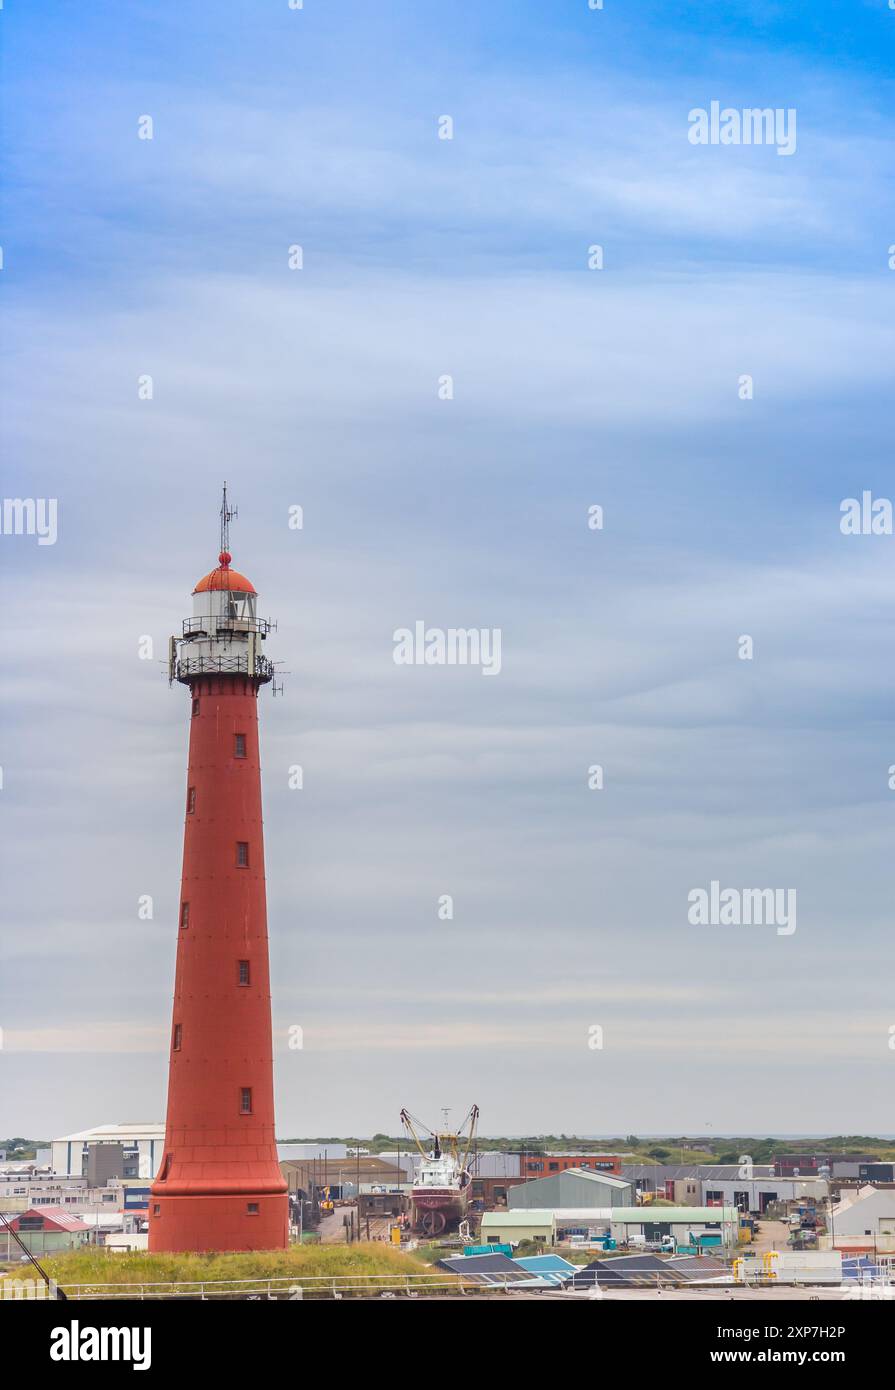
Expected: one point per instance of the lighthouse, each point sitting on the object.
(219, 1186)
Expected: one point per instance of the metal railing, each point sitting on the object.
(291, 1288)
(185, 668)
(213, 625)
(414, 1285)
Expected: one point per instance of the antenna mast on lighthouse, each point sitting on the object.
(227, 515)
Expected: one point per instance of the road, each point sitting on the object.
(332, 1228)
(773, 1235)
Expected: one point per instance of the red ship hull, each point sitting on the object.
(434, 1209)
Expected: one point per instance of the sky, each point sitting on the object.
(623, 388)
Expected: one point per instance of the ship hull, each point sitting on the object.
(434, 1210)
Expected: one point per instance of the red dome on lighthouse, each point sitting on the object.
(225, 578)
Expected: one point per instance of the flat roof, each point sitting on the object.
(678, 1216)
(114, 1133)
(650, 1215)
(519, 1216)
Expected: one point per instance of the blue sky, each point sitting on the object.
(572, 387)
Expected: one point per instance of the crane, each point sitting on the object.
(444, 1140)
(53, 1289)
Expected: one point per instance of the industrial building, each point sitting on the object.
(44, 1231)
(343, 1177)
(496, 1163)
(684, 1182)
(304, 1153)
(141, 1146)
(723, 1184)
(688, 1226)
(802, 1165)
(876, 1172)
(68, 1193)
(492, 1192)
(509, 1227)
(691, 1228)
(28, 1181)
(757, 1194)
(863, 1222)
(572, 1188)
(542, 1165)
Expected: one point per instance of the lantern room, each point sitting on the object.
(224, 634)
(225, 596)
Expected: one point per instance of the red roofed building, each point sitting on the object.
(44, 1230)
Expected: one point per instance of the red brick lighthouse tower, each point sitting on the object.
(219, 1186)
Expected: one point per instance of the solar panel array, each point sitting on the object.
(624, 1271)
(646, 1271)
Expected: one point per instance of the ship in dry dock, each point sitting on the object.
(442, 1182)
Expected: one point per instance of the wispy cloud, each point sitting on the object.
(572, 387)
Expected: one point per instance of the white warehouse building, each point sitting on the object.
(142, 1145)
(863, 1222)
(756, 1194)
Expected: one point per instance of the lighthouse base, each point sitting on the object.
(200, 1224)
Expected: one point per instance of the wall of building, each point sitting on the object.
(103, 1162)
(41, 1242)
(758, 1193)
(543, 1165)
(493, 1232)
(868, 1224)
(646, 1221)
(876, 1172)
(36, 1183)
(801, 1165)
(372, 1172)
(568, 1190)
(492, 1192)
(304, 1152)
(496, 1164)
(685, 1192)
(141, 1156)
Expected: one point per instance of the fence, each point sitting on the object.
(286, 1288)
(399, 1285)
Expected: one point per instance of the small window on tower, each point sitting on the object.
(178, 1034)
(191, 801)
(244, 972)
(251, 1208)
(242, 854)
(195, 708)
(157, 1210)
(245, 1100)
(184, 914)
(239, 750)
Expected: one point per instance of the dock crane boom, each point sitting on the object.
(53, 1289)
(443, 1140)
